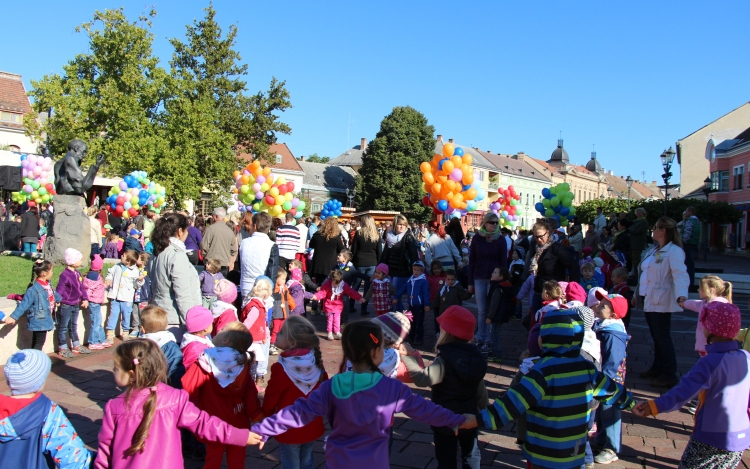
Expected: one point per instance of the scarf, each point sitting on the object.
(161, 338)
(302, 370)
(446, 288)
(535, 260)
(188, 338)
(224, 363)
(337, 291)
(177, 243)
(385, 280)
(389, 367)
(219, 307)
(392, 238)
(489, 236)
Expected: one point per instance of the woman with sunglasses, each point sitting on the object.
(549, 261)
(488, 251)
(663, 280)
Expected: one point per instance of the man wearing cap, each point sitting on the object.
(133, 241)
(219, 241)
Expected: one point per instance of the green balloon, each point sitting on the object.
(572, 211)
(566, 202)
(546, 203)
(287, 205)
(554, 201)
(549, 212)
(42, 190)
(35, 184)
(301, 205)
(564, 222)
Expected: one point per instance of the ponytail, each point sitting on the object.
(727, 293)
(141, 433)
(165, 228)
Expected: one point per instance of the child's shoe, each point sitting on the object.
(95, 347)
(338, 336)
(65, 353)
(273, 350)
(493, 359)
(80, 349)
(125, 336)
(110, 337)
(330, 336)
(106, 345)
(606, 456)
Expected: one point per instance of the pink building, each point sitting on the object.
(730, 178)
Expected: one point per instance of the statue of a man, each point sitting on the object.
(69, 179)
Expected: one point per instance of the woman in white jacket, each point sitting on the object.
(663, 281)
(439, 247)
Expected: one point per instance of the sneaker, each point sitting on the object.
(106, 345)
(692, 406)
(65, 353)
(606, 456)
(81, 349)
(494, 359)
(330, 336)
(338, 336)
(485, 348)
(273, 350)
(95, 347)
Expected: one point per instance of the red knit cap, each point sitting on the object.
(721, 319)
(458, 321)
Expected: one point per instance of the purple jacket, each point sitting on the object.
(173, 412)
(722, 383)
(208, 282)
(485, 256)
(193, 241)
(360, 421)
(70, 287)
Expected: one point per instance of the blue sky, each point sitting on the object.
(630, 77)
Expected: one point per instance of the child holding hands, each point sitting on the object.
(72, 297)
(381, 290)
(419, 300)
(332, 292)
(39, 301)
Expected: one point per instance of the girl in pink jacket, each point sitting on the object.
(141, 428)
(712, 288)
(332, 292)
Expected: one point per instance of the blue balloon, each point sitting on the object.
(539, 207)
(546, 193)
(557, 209)
(458, 151)
(440, 164)
(556, 217)
(564, 211)
(23, 157)
(466, 187)
(442, 205)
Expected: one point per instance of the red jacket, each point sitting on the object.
(237, 404)
(280, 393)
(257, 328)
(335, 306)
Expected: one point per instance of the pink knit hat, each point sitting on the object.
(225, 291)
(592, 299)
(198, 319)
(72, 256)
(721, 319)
(97, 263)
(575, 292)
(383, 268)
(297, 274)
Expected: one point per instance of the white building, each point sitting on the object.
(14, 105)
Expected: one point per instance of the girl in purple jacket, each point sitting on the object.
(141, 428)
(360, 405)
(721, 382)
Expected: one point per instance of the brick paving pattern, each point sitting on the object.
(83, 385)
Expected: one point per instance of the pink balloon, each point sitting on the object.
(260, 179)
(256, 187)
(456, 175)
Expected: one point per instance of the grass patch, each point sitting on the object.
(15, 274)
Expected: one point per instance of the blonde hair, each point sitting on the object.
(129, 258)
(329, 229)
(346, 253)
(721, 287)
(399, 220)
(369, 231)
(212, 265)
(91, 211)
(670, 230)
(551, 290)
(300, 333)
(262, 285)
(295, 264)
(154, 319)
(587, 266)
(447, 338)
(234, 326)
(239, 340)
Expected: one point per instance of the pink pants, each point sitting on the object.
(334, 322)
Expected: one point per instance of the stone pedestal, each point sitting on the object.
(72, 229)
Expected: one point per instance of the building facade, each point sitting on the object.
(14, 105)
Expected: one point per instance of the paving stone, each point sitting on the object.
(642, 430)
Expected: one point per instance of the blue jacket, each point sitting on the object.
(175, 368)
(722, 383)
(132, 244)
(39, 436)
(418, 290)
(36, 303)
(614, 343)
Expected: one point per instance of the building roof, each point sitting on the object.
(559, 155)
(13, 97)
(351, 157)
(593, 164)
(738, 144)
(288, 161)
(553, 171)
(479, 160)
(326, 176)
(719, 118)
(513, 166)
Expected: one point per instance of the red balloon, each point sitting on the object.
(133, 212)
(120, 200)
(270, 200)
(31, 203)
(282, 189)
(290, 186)
(293, 211)
(49, 186)
(426, 201)
(119, 210)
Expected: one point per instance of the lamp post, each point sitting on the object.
(708, 187)
(350, 194)
(667, 157)
(629, 182)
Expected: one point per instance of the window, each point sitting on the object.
(204, 205)
(737, 174)
(481, 175)
(11, 117)
(527, 198)
(315, 208)
(720, 181)
(278, 159)
(15, 148)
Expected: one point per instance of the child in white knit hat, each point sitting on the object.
(33, 429)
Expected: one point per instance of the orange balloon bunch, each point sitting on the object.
(449, 181)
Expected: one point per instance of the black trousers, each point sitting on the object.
(37, 339)
(448, 445)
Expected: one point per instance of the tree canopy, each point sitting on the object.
(314, 158)
(391, 163)
(719, 212)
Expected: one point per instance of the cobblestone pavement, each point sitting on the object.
(83, 385)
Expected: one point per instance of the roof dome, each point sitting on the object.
(559, 155)
(593, 165)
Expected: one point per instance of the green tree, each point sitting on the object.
(710, 212)
(586, 211)
(314, 158)
(391, 163)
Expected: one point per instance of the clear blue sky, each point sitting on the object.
(630, 77)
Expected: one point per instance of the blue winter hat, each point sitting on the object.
(26, 371)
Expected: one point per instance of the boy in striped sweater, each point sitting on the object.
(556, 395)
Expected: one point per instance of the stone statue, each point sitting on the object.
(69, 179)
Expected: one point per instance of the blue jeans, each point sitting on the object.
(118, 309)
(369, 271)
(609, 427)
(665, 359)
(297, 456)
(689, 262)
(398, 282)
(447, 447)
(29, 247)
(481, 287)
(96, 332)
(416, 333)
(495, 336)
(67, 325)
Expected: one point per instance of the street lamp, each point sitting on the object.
(350, 194)
(667, 157)
(629, 182)
(707, 187)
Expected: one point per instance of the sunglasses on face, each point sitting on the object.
(491, 223)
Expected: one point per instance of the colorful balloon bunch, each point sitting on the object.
(133, 192)
(257, 189)
(449, 182)
(557, 203)
(332, 208)
(505, 207)
(38, 180)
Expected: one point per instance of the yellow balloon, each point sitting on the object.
(264, 187)
(274, 191)
(276, 209)
(280, 200)
(288, 196)
(281, 180)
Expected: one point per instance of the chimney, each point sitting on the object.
(303, 158)
(653, 183)
(450, 140)
(363, 144)
(439, 138)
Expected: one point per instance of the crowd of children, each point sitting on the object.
(200, 397)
